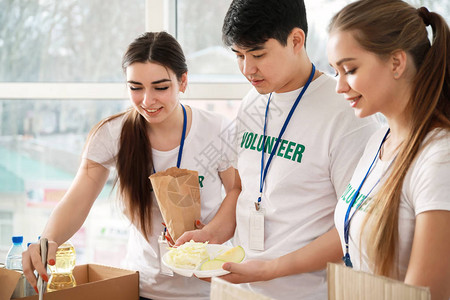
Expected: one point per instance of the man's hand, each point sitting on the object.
(246, 271)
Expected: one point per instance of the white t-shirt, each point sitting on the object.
(208, 149)
(426, 187)
(320, 149)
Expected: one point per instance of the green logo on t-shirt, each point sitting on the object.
(200, 180)
(286, 149)
(348, 195)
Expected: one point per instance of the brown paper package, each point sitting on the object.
(177, 192)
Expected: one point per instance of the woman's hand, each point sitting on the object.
(67, 217)
(221, 228)
(197, 235)
(32, 260)
(198, 225)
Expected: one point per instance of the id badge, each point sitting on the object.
(163, 249)
(256, 238)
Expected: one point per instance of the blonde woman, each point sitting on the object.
(394, 217)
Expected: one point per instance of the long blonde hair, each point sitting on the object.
(381, 27)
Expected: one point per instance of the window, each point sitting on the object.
(67, 41)
(198, 29)
(6, 229)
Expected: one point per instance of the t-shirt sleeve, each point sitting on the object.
(228, 141)
(102, 145)
(429, 186)
(240, 124)
(348, 149)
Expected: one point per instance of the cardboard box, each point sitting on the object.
(347, 284)
(8, 282)
(93, 282)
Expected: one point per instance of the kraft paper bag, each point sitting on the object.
(178, 194)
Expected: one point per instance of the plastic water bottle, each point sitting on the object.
(62, 277)
(14, 256)
(14, 262)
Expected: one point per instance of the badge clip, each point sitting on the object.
(257, 206)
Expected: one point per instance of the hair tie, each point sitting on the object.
(425, 14)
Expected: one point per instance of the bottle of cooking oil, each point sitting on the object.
(62, 277)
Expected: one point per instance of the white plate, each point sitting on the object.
(213, 251)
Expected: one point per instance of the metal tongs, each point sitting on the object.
(40, 283)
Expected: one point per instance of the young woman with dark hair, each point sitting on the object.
(156, 133)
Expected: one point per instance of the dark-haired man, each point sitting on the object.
(298, 144)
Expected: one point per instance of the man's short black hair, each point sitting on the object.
(252, 22)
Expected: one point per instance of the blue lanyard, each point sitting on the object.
(286, 122)
(183, 136)
(348, 218)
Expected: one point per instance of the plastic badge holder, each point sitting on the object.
(163, 249)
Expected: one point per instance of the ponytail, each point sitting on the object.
(429, 108)
(134, 165)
